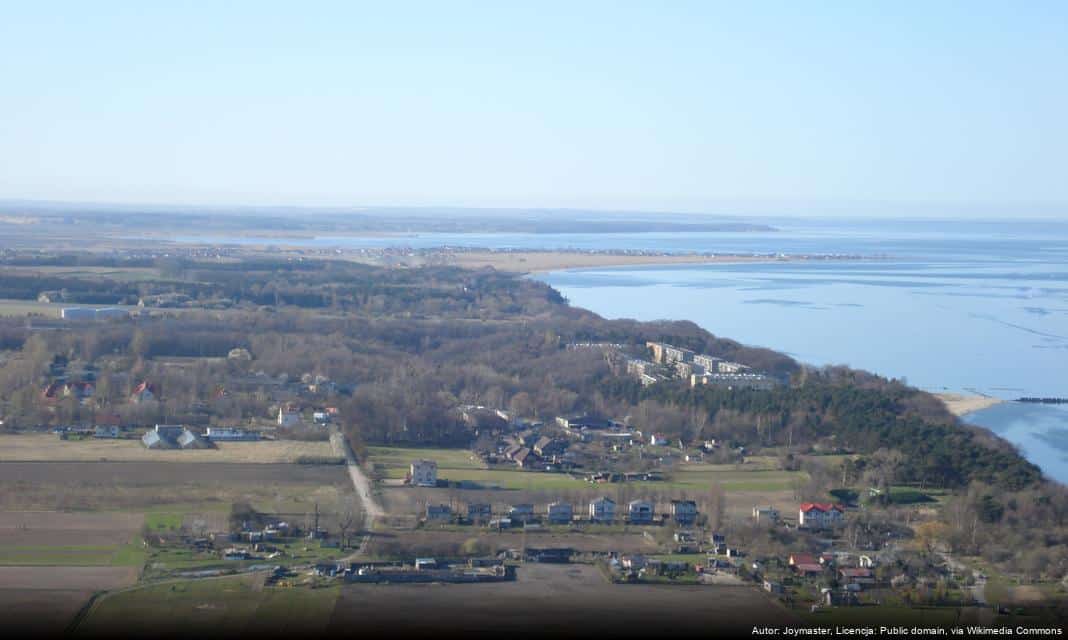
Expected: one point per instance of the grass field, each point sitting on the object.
(392, 462)
(137, 487)
(728, 477)
(47, 447)
(217, 607)
(26, 307)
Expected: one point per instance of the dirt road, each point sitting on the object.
(370, 506)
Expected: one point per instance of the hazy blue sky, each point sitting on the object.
(703, 106)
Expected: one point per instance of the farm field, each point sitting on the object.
(216, 607)
(29, 612)
(9, 307)
(47, 447)
(158, 486)
(48, 598)
(70, 539)
(570, 599)
(71, 529)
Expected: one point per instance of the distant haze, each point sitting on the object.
(925, 109)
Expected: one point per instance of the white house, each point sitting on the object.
(423, 473)
(603, 510)
(288, 416)
(820, 515)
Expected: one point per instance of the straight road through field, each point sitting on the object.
(360, 482)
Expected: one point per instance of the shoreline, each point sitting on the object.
(541, 262)
(961, 404)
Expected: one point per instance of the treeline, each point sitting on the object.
(937, 450)
(409, 345)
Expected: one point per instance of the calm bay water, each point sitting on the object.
(951, 306)
(960, 306)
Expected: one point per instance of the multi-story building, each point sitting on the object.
(423, 473)
(677, 354)
(733, 380)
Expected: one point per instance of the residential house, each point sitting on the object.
(524, 458)
(807, 570)
(425, 563)
(656, 439)
(633, 562)
(844, 598)
(764, 515)
(144, 392)
(546, 446)
(438, 512)
(423, 473)
(820, 515)
(521, 512)
(639, 512)
(684, 511)
(602, 510)
(584, 421)
(236, 554)
(560, 513)
(479, 512)
(52, 391)
(552, 554)
(79, 390)
(802, 558)
(288, 416)
(861, 576)
(109, 432)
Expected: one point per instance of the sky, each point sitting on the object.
(866, 108)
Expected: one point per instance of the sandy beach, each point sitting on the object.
(962, 403)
